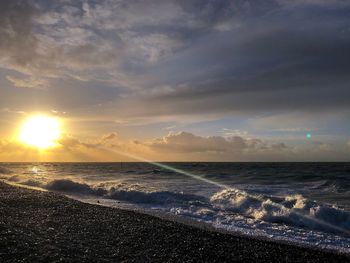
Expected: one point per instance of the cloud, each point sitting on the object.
(187, 146)
(218, 147)
(110, 140)
(176, 62)
(31, 82)
(70, 143)
(188, 142)
(40, 45)
(109, 137)
(68, 148)
(322, 3)
(17, 43)
(182, 146)
(227, 56)
(7, 110)
(281, 62)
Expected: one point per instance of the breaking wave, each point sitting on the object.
(132, 193)
(65, 185)
(155, 197)
(294, 210)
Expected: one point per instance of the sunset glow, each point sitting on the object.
(175, 81)
(231, 113)
(40, 131)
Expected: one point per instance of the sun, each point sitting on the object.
(40, 131)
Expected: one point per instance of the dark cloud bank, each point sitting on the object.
(185, 57)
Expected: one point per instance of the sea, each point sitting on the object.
(302, 203)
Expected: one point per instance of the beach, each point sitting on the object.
(39, 226)
(174, 131)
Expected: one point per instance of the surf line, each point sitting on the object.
(226, 187)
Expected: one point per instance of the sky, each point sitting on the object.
(194, 80)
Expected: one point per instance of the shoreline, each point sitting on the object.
(209, 227)
(60, 227)
(110, 203)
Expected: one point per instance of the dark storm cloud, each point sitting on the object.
(281, 63)
(16, 40)
(179, 57)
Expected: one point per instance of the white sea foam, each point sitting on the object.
(293, 210)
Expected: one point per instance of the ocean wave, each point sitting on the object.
(14, 178)
(32, 182)
(292, 210)
(154, 197)
(4, 170)
(122, 192)
(330, 186)
(65, 185)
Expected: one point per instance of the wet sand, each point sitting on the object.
(46, 227)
